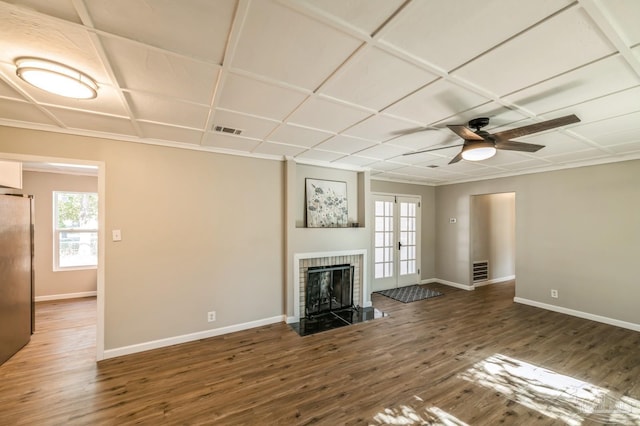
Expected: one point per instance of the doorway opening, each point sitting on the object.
(493, 238)
(69, 167)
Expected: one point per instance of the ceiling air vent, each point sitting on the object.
(432, 166)
(223, 129)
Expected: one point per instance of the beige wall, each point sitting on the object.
(577, 231)
(428, 207)
(49, 282)
(200, 232)
(493, 233)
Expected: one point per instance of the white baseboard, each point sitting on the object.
(579, 314)
(429, 281)
(176, 340)
(456, 285)
(65, 296)
(495, 281)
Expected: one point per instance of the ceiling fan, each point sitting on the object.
(479, 144)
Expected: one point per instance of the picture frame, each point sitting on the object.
(326, 203)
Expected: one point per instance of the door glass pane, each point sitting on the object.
(408, 252)
(383, 258)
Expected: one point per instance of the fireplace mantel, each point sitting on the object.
(298, 257)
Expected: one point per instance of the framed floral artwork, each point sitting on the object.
(326, 203)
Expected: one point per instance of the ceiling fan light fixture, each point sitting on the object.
(478, 151)
(56, 78)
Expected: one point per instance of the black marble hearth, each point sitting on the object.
(335, 319)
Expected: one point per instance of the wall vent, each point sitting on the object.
(480, 271)
(223, 129)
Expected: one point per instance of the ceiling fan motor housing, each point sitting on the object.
(478, 123)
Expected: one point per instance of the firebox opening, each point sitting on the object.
(329, 289)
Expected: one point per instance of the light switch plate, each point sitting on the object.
(117, 236)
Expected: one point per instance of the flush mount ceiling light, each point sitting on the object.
(478, 151)
(56, 78)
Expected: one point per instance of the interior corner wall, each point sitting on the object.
(49, 282)
(200, 232)
(577, 231)
(428, 208)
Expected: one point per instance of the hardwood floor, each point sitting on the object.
(464, 358)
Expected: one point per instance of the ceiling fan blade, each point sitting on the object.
(431, 149)
(535, 128)
(456, 158)
(518, 146)
(464, 132)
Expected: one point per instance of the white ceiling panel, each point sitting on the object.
(438, 101)
(345, 144)
(385, 166)
(203, 24)
(95, 122)
(282, 44)
(506, 157)
(355, 160)
(6, 91)
(554, 143)
(170, 134)
(375, 79)
(235, 143)
(498, 115)
(163, 110)
(301, 136)
(381, 152)
(624, 17)
(358, 82)
(364, 15)
(450, 33)
(627, 148)
(23, 111)
(325, 114)
(592, 81)
(252, 127)
(577, 156)
(540, 53)
(609, 106)
(272, 148)
(255, 97)
(150, 70)
(62, 9)
(526, 164)
(379, 128)
(314, 154)
(425, 139)
(613, 131)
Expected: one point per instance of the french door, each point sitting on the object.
(396, 241)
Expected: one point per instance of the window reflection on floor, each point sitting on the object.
(407, 415)
(552, 394)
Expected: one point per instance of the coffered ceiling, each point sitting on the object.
(354, 83)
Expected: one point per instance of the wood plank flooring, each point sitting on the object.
(472, 358)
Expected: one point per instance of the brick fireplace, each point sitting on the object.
(303, 261)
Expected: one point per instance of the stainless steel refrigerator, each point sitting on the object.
(16, 274)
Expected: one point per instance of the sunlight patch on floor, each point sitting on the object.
(552, 394)
(407, 415)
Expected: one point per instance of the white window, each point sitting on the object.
(75, 229)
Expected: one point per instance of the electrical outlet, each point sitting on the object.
(554, 294)
(211, 316)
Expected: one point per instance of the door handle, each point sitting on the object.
(399, 245)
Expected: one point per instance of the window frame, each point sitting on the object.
(57, 231)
